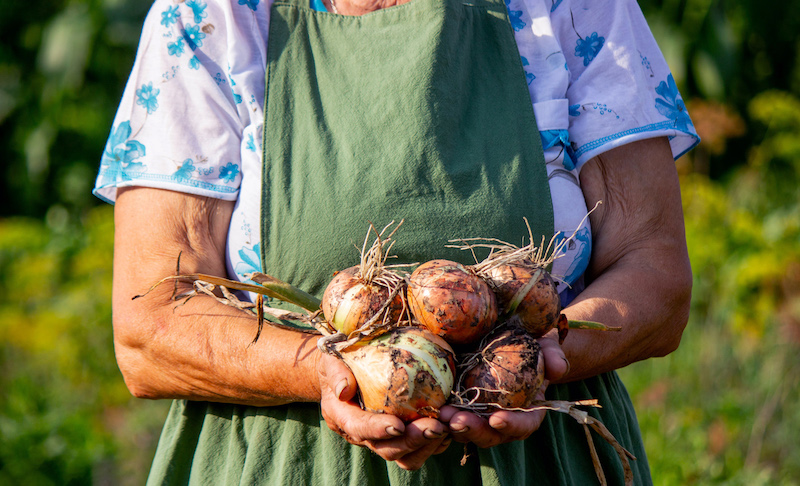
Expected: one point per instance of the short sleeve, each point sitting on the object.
(178, 126)
(620, 87)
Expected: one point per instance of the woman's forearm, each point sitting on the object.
(650, 304)
(639, 277)
(200, 350)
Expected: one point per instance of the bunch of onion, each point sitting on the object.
(404, 371)
(451, 301)
(368, 297)
(408, 372)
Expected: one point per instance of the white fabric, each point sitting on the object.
(191, 117)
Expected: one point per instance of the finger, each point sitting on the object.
(516, 425)
(415, 460)
(444, 445)
(501, 427)
(556, 365)
(421, 439)
(447, 412)
(468, 427)
(357, 426)
(343, 416)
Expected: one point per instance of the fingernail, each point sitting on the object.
(430, 434)
(340, 388)
(459, 428)
(566, 361)
(392, 430)
(497, 424)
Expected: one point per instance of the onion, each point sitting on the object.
(509, 371)
(349, 302)
(529, 293)
(408, 372)
(367, 297)
(451, 301)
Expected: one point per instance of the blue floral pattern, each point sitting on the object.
(193, 36)
(528, 75)
(253, 4)
(671, 104)
(251, 260)
(580, 244)
(198, 10)
(229, 172)
(147, 97)
(185, 170)
(515, 17)
(175, 48)
(120, 154)
(589, 47)
(170, 16)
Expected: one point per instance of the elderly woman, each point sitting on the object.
(264, 136)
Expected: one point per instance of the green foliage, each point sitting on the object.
(721, 409)
(66, 416)
(63, 65)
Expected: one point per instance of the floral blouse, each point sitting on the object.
(191, 116)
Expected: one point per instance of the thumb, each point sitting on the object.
(337, 378)
(555, 362)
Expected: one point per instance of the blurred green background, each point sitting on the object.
(720, 410)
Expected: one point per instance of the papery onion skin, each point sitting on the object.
(538, 309)
(395, 376)
(510, 372)
(451, 301)
(348, 302)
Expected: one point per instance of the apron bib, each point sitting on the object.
(418, 112)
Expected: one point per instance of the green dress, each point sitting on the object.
(367, 121)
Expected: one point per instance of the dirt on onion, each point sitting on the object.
(368, 297)
(507, 372)
(349, 302)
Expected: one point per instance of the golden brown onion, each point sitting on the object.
(348, 302)
(451, 301)
(529, 294)
(408, 372)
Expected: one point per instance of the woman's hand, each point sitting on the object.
(409, 445)
(504, 425)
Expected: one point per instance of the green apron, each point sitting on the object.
(417, 112)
